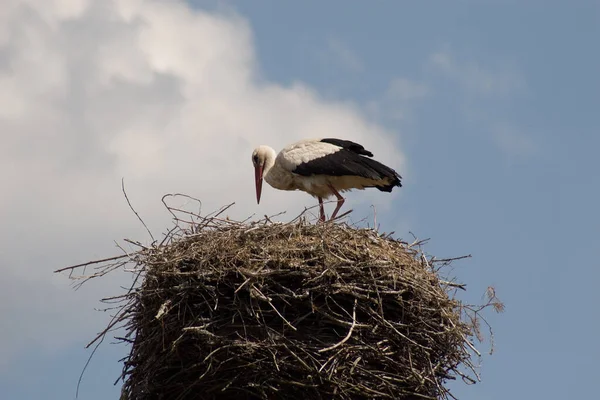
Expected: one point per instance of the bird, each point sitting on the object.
(322, 168)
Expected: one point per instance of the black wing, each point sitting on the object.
(348, 145)
(349, 161)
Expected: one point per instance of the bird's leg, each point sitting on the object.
(322, 211)
(340, 202)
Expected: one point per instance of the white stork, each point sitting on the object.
(321, 168)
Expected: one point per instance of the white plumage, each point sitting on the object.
(322, 168)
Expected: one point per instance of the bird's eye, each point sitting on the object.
(255, 159)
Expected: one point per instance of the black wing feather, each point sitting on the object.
(348, 145)
(349, 161)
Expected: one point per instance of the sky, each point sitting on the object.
(488, 109)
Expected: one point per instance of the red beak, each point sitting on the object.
(258, 176)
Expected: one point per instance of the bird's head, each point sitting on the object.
(262, 159)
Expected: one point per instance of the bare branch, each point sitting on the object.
(135, 212)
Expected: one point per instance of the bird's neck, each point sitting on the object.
(269, 161)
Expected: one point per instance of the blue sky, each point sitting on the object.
(489, 109)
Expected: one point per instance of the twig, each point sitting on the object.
(344, 340)
(92, 263)
(87, 363)
(135, 212)
(268, 300)
(337, 218)
(374, 217)
(446, 260)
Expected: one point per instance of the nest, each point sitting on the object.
(230, 310)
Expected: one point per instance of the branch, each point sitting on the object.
(135, 212)
(344, 340)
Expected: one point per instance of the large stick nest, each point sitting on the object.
(230, 310)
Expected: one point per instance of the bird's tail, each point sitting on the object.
(386, 173)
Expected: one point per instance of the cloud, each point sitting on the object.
(476, 78)
(153, 91)
(402, 89)
(399, 98)
(343, 56)
(513, 142)
(482, 96)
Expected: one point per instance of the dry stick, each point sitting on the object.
(445, 260)
(374, 217)
(135, 243)
(462, 286)
(182, 195)
(306, 209)
(329, 359)
(190, 213)
(277, 214)
(340, 216)
(220, 210)
(135, 212)
(466, 341)
(196, 200)
(211, 217)
(253, 274)
(277, 311)
(86, 365)
(167, 206)
(106, 270)
(114, 320)
(476, 312)
(91, 263)
(168, 235)
(344, 340)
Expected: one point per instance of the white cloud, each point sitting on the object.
(152, 91)
(513, 142)
(342, 55)
(402, 89)
(474, 77)
(397, 101)
(494, 85)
